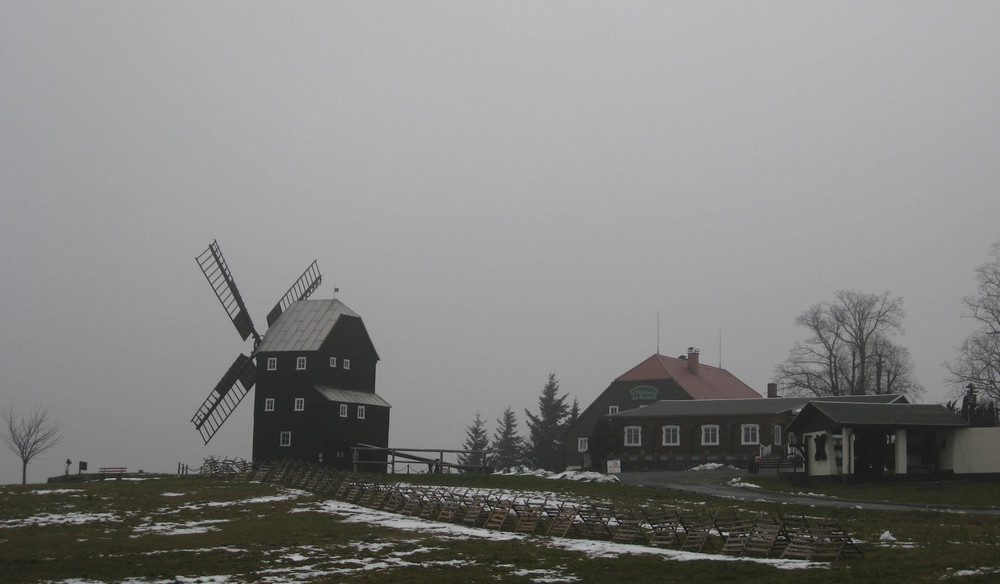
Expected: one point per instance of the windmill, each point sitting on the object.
(242, 374)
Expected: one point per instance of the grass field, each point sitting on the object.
(210, 530)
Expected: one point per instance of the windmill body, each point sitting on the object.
(316, 387)
(314, 370)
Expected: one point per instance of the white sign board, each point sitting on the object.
(615, 466)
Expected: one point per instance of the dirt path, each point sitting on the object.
(715, 483)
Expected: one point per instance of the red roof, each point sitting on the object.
(708, 383)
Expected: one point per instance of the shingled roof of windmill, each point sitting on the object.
(304, 326)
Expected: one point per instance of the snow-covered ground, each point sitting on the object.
(307, 563)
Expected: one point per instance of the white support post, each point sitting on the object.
(847, 451)
(901, 462)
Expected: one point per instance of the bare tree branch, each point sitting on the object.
(29, 435)
(849, 350)
(978, 360)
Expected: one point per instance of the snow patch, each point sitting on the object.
(350, 513)
(566, 475)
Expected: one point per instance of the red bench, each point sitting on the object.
(112, 470)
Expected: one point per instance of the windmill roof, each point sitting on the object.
(737, 407)
(709, 383)
(304, 325)
(352, 397)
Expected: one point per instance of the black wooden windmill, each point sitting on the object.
(242, 374)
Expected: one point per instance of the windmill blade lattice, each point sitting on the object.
(228, 394)
(213, 265)
(300, 290)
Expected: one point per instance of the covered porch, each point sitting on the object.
(868, 441)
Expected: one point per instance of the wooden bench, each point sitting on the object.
(116, 471)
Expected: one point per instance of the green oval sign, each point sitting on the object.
(644, 393)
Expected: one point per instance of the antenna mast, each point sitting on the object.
(720, 348)
(657, 333)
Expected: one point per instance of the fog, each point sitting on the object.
(500, 190)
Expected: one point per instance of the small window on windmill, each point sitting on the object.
(343, 410)
(269, 404)
(333, 362)
(300, 363)
(272, 363)
(347, 363)
(285, 439)
(361, 412)
(300, 404)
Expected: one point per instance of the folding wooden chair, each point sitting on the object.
(629, 528)
(735, 531)
(697, 530)
(561, 519)
(767, 535)
(664, 524)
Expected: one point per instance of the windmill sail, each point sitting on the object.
(300, 290)
(213, 265)
(228, 394)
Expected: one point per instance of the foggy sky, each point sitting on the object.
(501, 190)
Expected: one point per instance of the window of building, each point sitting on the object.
(361, 412)
(751, 434)
(300, 363)
(285, 439)
(582, 444)
(300, 404)
(612, 409)
(272, 363)
(633, 436)
(269, 404)
(671, 435)
(710, 435)
(776, 439)
(333, 361)
(343, 410)
(347, 363)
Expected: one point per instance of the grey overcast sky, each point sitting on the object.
(500, 189)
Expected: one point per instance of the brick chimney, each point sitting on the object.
(693, 360)
(772, 390)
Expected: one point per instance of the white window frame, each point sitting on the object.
(347, 363)
(612, 410)
(633, 435)
(361, 412)
(300, 363)
(750, 434)
(300, 404)
(776, 435)
(675, 434)
(285, 439)
(272, 363)
(343, 410)
(268, 404)
(333, 362)
(582, 444)
(708, 432)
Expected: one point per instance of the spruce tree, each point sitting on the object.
(545, 446)
(507, 449)
(475, 439)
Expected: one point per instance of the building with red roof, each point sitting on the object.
(657, 378)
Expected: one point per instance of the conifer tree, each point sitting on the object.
(507, 448)
(545, 446)
(475, 439)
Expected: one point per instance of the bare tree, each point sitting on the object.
(850, 350)
(978, 361)
(29, 435)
